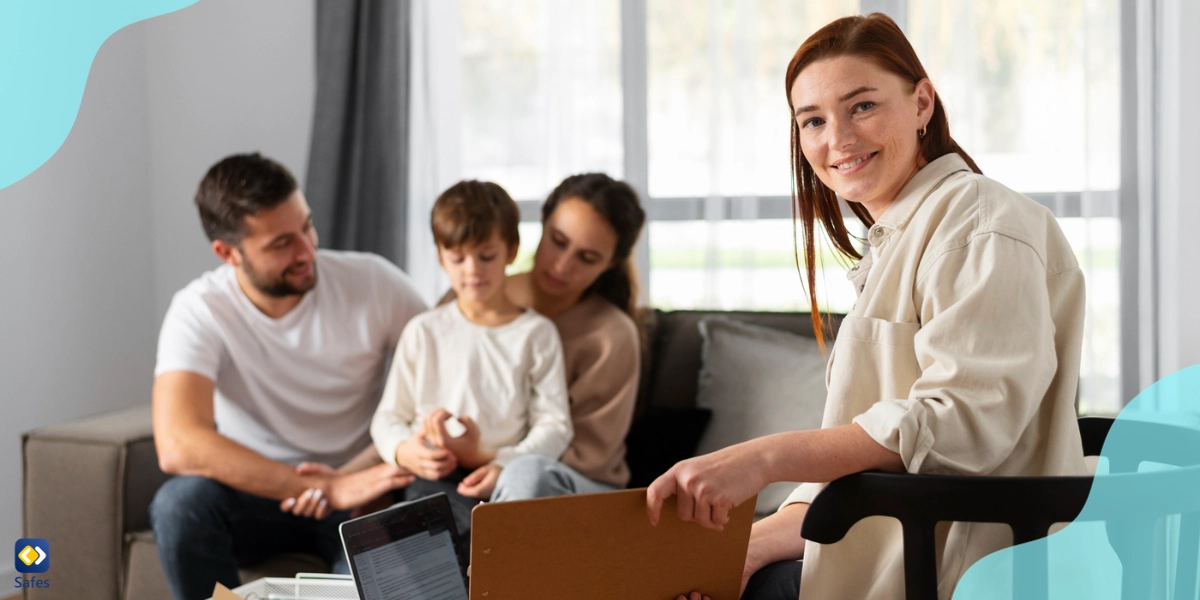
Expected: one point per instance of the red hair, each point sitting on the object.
(877, 38)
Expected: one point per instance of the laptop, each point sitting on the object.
(410, 551)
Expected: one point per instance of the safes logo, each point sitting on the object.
(32, 555)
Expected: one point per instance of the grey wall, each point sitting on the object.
(223, 76)
(94, 243)
(76, 313)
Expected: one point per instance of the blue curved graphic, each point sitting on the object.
(46, 51)
(1130, 541)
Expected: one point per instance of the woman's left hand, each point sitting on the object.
(693, 596)
(481, 482)
(710, 486)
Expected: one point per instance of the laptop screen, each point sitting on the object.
(407, 552)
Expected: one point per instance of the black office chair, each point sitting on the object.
(1030, 506)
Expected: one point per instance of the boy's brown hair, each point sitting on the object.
(470, 211)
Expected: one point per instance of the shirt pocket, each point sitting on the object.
(874, 360)
(878, 331)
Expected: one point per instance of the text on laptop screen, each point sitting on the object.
(406, 553)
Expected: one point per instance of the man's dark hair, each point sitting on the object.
(240, 185)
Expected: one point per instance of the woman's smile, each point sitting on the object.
(853, 164)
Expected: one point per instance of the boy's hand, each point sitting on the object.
(481, 482)
(424, 462)
(465, 447)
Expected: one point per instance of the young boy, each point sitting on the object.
(479, 361)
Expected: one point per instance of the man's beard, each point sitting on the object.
(278, 286)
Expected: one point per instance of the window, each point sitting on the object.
(1032, 89)
(541, 91)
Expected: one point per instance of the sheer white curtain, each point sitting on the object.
(434, 104)
(541, 95)
(721, 237)
(519, 92)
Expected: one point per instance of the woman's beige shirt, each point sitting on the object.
(602, 353)
(962, 355)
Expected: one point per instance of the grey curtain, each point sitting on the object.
(358, 158)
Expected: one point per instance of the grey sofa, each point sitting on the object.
(88, 483)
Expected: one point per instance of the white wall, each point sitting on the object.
(94, 243)
(1179, 188)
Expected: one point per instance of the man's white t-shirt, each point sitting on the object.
(303, 387)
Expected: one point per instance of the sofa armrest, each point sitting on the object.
(86, 484)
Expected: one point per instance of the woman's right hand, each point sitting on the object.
(427, 463)
(709, 486)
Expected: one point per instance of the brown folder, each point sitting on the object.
(602, 547)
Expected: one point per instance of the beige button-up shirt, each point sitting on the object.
(962, 355)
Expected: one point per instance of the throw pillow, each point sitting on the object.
(758, 381)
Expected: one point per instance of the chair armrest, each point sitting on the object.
(86, 484)
(1030, 505)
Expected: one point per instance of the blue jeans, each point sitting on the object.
(776, 581)
(460, 506)
(536, 476)
(205, 530)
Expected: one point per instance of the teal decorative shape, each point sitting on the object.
(1134, 538)
(46, 51)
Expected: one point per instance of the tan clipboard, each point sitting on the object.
(602, 547)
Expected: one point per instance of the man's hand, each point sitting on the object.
(424, 462)
(333, 492)
(465, 447)
(313, 501)
(481, 482)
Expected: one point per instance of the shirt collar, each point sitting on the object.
(914, 193)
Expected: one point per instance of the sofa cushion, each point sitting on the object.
(675, 351)
(661, 438)
(758, 381)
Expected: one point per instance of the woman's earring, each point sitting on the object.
(921, 135)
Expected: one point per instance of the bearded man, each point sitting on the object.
(269, 369)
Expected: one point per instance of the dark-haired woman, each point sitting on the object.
(961, 354)
(583, 280)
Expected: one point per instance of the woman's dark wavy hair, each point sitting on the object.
(618, 203)
(877, 38)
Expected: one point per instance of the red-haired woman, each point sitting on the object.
(961, 354)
